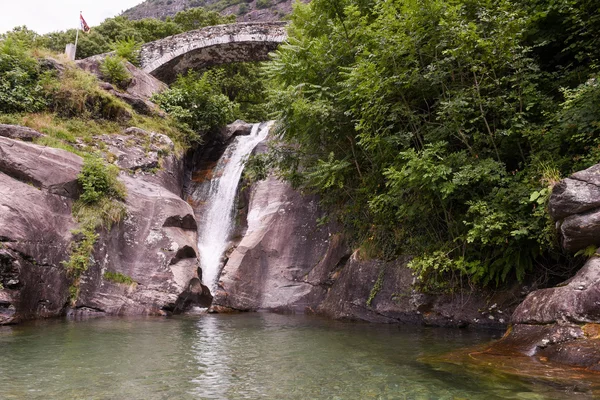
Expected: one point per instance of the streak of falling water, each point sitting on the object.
(215, 230)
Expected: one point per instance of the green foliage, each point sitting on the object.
(99, 180)
(376, 287)
(195, 100)
(128, 49)
(76, 94)
(243, 84)
(113, 70)
(98, 207)
(432, 128)
(263, 4)
(20, 88)
(118, 277)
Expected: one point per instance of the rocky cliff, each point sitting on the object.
(155, 246)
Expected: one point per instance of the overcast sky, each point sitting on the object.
(45, 16)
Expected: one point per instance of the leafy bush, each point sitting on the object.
(433, 128)
(197, 101)
(20, 88)
(113, 70)
(129, 49)
(99, 180)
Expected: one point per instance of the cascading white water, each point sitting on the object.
(215, 229)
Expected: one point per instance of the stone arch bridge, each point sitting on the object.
(213, 45)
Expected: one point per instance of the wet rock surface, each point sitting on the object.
(284, 260)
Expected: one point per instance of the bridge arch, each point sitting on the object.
(213, 45)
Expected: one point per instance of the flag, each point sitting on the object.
(84, 26)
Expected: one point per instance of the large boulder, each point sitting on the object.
(36, 189)
(52, 170)
(285, 260)
(19, 132)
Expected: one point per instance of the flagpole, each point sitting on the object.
(77, 36)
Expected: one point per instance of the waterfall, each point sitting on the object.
(215, 229)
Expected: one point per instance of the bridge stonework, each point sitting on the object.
(213, 45)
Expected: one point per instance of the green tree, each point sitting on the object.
(429, 128)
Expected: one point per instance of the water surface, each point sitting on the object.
(248, 356)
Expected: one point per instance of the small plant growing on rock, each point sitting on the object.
(113, 69)
(99, 180)
(129, 49)
(118, 277)
(98, 207)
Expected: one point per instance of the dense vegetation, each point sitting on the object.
(438, 127)
(435, 128)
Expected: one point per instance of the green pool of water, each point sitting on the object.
(248, 356)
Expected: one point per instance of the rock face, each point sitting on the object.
(286, 262)
(139, 90)
(154, 247)
(376, 291)
(37, 186)
(561, 324)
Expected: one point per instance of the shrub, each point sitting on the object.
(113, 70)
(129, 49)
(20, 89)
(99, 180)
(263, 3)
(198, 102)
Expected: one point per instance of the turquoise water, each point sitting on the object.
(247, 356)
